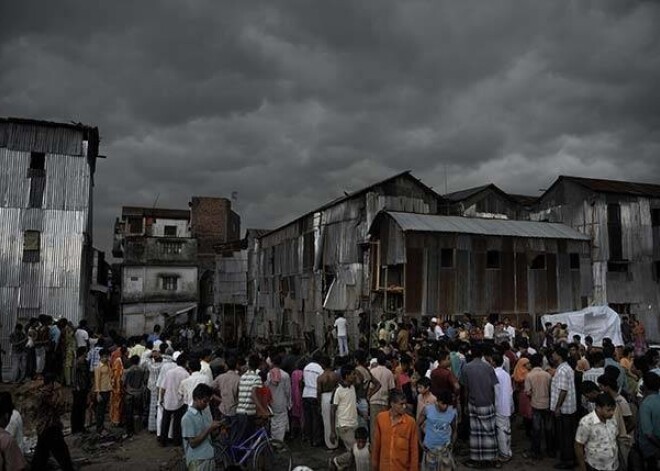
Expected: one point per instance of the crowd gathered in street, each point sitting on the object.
(405, 395)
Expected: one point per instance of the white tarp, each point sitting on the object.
(597, 321)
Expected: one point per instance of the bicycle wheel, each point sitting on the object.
(272, 455)
(222, 459)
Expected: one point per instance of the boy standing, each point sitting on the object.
(595, 440)
(196, 428)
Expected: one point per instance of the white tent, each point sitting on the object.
(597, 321)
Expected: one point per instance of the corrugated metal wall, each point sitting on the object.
(56, 284)
(469, 286)
(340, 231)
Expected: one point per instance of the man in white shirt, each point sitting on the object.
(510, 329)
(378, 398)
(344, 416)
(82, 336)
(435, 331)
(313, 423)
(342, 335)
(172, 401)
(503, 408)
(189, 384)
(489, 330)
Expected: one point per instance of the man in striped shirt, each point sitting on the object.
(246, 410)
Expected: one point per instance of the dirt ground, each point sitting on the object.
(141, 451)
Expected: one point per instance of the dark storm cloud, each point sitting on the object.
(292, 103)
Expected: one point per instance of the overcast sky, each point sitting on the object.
(290, 103)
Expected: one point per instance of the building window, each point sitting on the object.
(308, 251)
(172, 248)
(135, 225)
(446, 258)
(575, 261)
(37, 176)
(31, 246)
(614, 231)
(37, 161)
(538, 263)
(170, 231)
(655, 217)
(170, 283)
(493, 259)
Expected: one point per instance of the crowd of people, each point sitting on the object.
(409, 397)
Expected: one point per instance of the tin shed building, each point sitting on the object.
(450, 265)
(46, 186)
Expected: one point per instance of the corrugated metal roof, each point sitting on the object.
(30, 135)
(615, 186)
(461, 195)
(349, 195)
(410, 222)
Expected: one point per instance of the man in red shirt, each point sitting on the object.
(442, 379)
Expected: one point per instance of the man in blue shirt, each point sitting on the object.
(196, 428)
(648, 427)
(437, 424)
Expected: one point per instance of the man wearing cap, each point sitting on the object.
(437, 329)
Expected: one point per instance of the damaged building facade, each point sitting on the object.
(159, 279)
(234, 283)
(318, 264)
(168, 261)
(46, 187)
(445, 266)
(622, 220)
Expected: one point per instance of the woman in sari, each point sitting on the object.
(639, 338)
(523, 367)
(296, 397)
(117, 395)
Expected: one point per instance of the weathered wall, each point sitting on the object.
(144, 284)
(160, 250)
(633, 290)
(158, 227)
(138, 319)
(58, 283)
(319, 263)
(469, 285)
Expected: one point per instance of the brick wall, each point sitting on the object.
(212, 222)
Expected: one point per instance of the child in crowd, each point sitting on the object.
(437, 425)
(357, 458)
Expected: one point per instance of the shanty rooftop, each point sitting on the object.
(411, 222)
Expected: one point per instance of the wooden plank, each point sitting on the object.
(521, 282)
(508, 281)
(413, 278)
(551, 286)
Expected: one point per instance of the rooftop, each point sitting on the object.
(615, 186)
(411, 222)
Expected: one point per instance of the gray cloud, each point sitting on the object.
(291, 103)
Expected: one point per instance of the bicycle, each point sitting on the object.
(259, 450)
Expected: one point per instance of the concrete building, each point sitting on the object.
(445, 266)
(212, 222)
(159, 274)
(168, 268)
(46, 208)
(622, 220)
